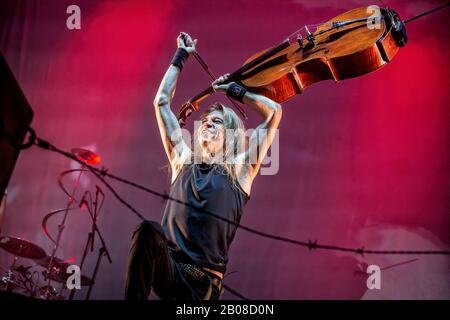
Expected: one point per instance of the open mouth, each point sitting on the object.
(208, 130)
(208, 134)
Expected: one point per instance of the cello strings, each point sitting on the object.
(423, 14)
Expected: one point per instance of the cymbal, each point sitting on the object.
(22, 248)
(86, 156)
(61, 276)
(59, 270)
(57, 263)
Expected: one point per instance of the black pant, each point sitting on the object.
(150, 265)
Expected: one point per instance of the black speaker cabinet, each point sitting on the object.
(15, 117)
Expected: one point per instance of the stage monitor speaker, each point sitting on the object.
(15, 117)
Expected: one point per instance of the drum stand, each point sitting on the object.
(19, 279)
(8, 279)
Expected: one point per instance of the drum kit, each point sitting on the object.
(37, 280)
(26, 279)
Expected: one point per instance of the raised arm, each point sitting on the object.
(176, 148)
(262, 137)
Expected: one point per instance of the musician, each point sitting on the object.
(186, 257)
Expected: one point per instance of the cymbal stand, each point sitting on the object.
(63, 222)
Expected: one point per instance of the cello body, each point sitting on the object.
(342, 53)
(352, 44)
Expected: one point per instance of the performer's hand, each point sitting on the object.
(185, 41)
(219, 86)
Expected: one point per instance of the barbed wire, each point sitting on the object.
(311, 245)
(101, 173)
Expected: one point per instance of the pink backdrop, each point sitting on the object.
(364, 162)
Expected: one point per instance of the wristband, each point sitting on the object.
(180, 57)
(236, 92)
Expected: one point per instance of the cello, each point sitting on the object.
(350, 45)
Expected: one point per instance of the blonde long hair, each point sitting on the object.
(234, 140)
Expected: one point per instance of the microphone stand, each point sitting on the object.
(91, 237)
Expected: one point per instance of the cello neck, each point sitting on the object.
(237, 74)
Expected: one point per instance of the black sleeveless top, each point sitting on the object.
(193, 234)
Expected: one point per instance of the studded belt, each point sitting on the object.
(199, 274)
